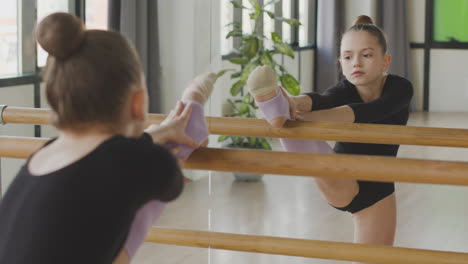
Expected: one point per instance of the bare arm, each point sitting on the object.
(340, 114)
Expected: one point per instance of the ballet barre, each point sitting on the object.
(361, 167)
(303, 247)
(362, 133)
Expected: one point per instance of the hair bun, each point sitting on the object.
(363, 19)
(60, 34)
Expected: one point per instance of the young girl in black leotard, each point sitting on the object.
(91, 194)
(367, 95)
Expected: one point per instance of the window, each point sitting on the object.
(8, 38)
(44, 8)
(269, 27)
(450, 21)
(307, 12)
(302, 10)
(17, 53)
(227, 16)
(286, 27)
(96, 14)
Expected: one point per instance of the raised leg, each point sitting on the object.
(263, 86)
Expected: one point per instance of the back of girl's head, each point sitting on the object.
(365, 23)
(89, 73)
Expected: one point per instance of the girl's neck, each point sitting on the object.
(372, 90)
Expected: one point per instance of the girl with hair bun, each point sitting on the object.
(367, 95)
(91, 194)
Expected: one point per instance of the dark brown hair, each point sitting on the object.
(89, 73)
(365, 23)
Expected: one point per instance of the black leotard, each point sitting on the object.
(82, 213)
(391, 108)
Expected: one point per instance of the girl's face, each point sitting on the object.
(362, 58)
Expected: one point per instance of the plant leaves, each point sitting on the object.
(238, 4)
(233, 105)
(244, 108)
(236, 88)
(265, 144)
(221, 73)
(270, 14)
(247, 70)
(282, 69)
(290, 21)
(234, 33)
(290, 84)
(237, 25)
(253, 16)
(285, 49)
(240, 61)
(252, 141)
(250, 47)
(222, 138)
(276, 37)
(266, 59)
(236, 75)
(256, 6)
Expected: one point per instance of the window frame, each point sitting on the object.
(28, 71)
(429, 44)
(430, 26)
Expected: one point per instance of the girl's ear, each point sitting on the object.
(387, 62)
(138, 105)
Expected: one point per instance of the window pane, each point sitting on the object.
(451, 20)
(304, 19)
(226, 18)
(45, 8)
(286, 26)
(8, 38)
(247, 26)
(268, 27)
(96, 14)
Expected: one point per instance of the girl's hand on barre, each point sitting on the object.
(297, 104)
(172, 129)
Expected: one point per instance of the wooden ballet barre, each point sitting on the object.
(370, 168)
(304, 248)
(363, 133)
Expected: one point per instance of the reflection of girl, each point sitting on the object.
(368, 95)
(90, 195)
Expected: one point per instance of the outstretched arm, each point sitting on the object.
(340, 114)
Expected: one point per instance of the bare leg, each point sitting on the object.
(376, 225)
(263, 86)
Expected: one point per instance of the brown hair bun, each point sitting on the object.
(362, 20)
(60, 34)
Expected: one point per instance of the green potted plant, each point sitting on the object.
(251, 54)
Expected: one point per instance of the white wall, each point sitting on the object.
(448, 81)
(356, 8)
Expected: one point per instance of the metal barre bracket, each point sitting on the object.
(2, 108)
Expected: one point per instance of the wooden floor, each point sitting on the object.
(429, 216)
